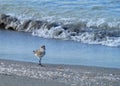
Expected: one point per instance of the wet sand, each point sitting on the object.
(15, 73)
(13, 80)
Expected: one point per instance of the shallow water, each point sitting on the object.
(19, 46)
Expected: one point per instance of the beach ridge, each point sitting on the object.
(67, 74)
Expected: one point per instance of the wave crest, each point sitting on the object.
(92, 32)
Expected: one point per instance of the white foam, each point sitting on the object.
(52, 33)
(111, 41)
(85, 37)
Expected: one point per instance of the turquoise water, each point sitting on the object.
(19, 46)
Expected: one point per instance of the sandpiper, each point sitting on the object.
(40, 53)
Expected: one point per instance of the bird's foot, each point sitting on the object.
(41, 65)
(60, 67)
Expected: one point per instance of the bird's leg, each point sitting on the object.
(40, 61)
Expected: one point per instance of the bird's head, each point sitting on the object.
(33, 51)
(43, 46)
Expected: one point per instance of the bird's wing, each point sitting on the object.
(39, 53)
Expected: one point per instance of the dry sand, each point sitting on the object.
(14, 73)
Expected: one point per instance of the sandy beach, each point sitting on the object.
(13, 80)
(81, 41)
(14, 73)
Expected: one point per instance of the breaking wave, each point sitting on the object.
(97, 31)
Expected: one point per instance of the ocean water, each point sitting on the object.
(91, 10)
(86, 21)
(20, 45)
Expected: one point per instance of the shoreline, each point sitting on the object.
(54, 65)
(65, 75)
(83, 54)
